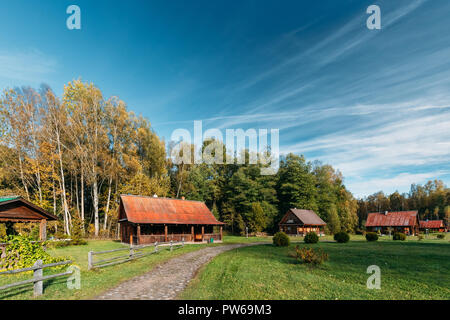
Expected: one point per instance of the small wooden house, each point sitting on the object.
(406, 222)
(432, 226)
(16, 209)
(145, 220)
(299, 222)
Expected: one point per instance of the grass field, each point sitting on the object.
(409, 270)
(97, 281)
(92, 282)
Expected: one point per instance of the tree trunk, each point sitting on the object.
(82, 196)
(107, 204)
(95, 191)
(22, 176)
(63, 187)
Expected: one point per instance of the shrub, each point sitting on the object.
(420, 237)
(311, 237)
(310, 256)
(399, 236)
(21, 252)
(341, 237)
(441, 236)
(371, 236)
(280, 239)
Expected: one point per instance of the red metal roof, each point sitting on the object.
(431, 224)
(308, 217)
(392, 219)
(140, 209)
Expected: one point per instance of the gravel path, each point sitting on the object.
(166, 280)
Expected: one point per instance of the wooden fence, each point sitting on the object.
(133, 252)
(38, 278)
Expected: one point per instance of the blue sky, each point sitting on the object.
(375, 104)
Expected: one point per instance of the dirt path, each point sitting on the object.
(166, 280)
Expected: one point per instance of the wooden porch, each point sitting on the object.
(138, 234)
(301, 230)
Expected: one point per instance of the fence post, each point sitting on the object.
(171, 248)
(37, 274)
(182, 242)
(131, 252)
(156, 246)
(90, 260)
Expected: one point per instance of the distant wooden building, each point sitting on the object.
(16, 209)
(300, 222)
(432, 226)
(406, 222)
(146, 220)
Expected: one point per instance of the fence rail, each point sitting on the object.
(133, 252)
(38, 277)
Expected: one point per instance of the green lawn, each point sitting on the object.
(409, 270)
(93, 282)
(97, 281)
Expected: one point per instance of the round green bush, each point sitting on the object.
(280, 239)
(441, 236)
(371, 236)
(399, 236)
(311, 237)
(341, 237)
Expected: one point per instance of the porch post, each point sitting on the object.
(221, 229)
(165, 233)
(43, 230)
(192, 233)
(138, 234)
(203, 232)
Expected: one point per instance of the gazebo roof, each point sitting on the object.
(17, 209)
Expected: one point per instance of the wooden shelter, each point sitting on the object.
(406, 222)
(432, 226)
(146, 220)
(16, 209)
(300, 222)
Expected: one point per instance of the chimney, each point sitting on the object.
(183, 198)
(155, 196)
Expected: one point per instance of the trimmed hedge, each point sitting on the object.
(311, 237)
(399, 236)
(342, 237)
(280, 239)
(371, 236)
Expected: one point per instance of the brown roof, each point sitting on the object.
(431, 224)
(140, 209)
(18, 209)
(392, 219)
(307, 217)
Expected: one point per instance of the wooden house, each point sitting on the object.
(432, 226)
(300, 222)
(16, 209)
(146, 220)
(406, 222)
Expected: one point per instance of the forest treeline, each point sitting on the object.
(76, 154)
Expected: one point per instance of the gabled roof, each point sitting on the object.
(431, 224)
(140, 209)
(307, 217)
(16, 208)
(392, 219)
(4, 199)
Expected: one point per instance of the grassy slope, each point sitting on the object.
(98, 281)
(409, 270)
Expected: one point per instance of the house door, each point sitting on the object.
(198, 233)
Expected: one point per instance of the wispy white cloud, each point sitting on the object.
(29, 66)
(390, 184)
